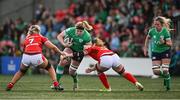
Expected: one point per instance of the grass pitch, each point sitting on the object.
(38, 87)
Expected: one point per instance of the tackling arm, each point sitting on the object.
(60, 37)
(52, 46)
(146, 45)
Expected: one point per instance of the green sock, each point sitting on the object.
(167, 80)
(75, 79)
(167, 77)
(161, 73)
(59, 72)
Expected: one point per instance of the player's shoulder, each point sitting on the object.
(164, 29)
(70, 29)
(152, 29)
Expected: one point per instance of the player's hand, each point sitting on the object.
(63, 54)
(69, 54)
(66, 55)
(162, 41)
(68, 43)
(88, 70)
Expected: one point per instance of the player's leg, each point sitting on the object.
(165, 70)
(23, 69)
(75, 62)
(128, 76)
(119, 68)
(44, 63)
(105, 64)
(62, 63)
(17, 76)
(101, 75)
(73, 72)
(157, 68)
(104, 81)
(156, 62)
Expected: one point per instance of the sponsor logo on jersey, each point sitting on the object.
(154, 36)
(80, 40)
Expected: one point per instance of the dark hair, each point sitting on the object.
(159, 19)
(80, 27)
(83, 25)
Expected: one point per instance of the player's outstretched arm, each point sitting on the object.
(50, 45)
(146, 45)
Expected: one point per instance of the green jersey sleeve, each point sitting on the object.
(167, 35)
(150, 32)
(69, 31)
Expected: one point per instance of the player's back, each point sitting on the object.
(96, 52)
(33, 43)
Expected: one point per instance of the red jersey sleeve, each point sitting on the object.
(88, 50)
(44, 39)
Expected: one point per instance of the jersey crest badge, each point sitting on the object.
(80, 40)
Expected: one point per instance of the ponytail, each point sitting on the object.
(87, 26)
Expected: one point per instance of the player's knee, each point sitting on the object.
(120, 69)
(72, 69)
(48, 66)
(23, 70)
(165, 68)
(156, 69)
(100, 69)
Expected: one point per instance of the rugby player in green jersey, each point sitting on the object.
(161, 45)
(74, 39)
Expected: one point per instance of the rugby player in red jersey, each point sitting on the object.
(32, 56)
(108, 59)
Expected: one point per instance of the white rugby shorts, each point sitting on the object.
(109, 61)
(32, 60)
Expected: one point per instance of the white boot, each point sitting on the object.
(139, 86)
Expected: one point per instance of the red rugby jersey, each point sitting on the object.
(96, 52)
(33, 43)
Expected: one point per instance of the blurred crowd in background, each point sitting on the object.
(122, 24)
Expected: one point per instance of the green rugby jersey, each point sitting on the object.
(155, 36)
(78, 41)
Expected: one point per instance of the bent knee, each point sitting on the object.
(72, 69)
(156, 69)
(165, 68)
(120, 69)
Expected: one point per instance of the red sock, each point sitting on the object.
(130, 77)
(104, 80)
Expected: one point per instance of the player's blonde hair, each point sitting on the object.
(98, 42)
(34, 29)
(165, 22)
(83, 25)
